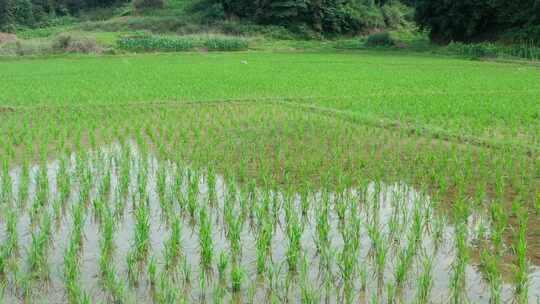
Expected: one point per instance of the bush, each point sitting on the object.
(155, 43)
(25, 47)
(148, 23)
(226, 44)
(64, 43)
(251, 29)
(492, 50)
(474, 49)
(144, 4)
(380, 39)
(75, 44)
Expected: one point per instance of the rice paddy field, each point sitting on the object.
(267, 177)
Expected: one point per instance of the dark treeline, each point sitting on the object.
(480, 20)
(455, 20)
(33, 12)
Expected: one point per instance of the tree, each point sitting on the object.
(475, 20)
(22, 12)
(286, 10)
(321, 15)
(5, 15)
(143, 4)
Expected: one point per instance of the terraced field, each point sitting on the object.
(269, 177)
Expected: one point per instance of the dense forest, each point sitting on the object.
(457, 20)
(479, 20)
(34, 12)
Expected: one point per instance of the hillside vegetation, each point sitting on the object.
(446, 21)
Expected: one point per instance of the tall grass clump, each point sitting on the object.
(527, 51)
(380, 39)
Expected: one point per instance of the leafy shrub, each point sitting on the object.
(380, 39)
(226, 44)
(155, 43)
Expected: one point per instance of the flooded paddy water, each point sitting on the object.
(180, 234)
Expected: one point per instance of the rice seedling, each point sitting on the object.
(520, 249)
(141, 244)
(490, 262)
(219, 293)
(2, 291)
(425, 283)
(237, 277)
(458, 276)
(132, 267)
(72, 272)
(234, 229)
(37, 257)
(263, 245)
(294, 235)
(9, 247)
(223, 262)
(173, 246)
(186, 271)
(206, 244)
(168, 293)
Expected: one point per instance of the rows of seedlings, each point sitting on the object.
(251, 203)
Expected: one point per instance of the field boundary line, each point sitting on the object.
(419, 130)
(179, 103)
(11, 108)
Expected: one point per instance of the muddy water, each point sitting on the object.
(390, 209)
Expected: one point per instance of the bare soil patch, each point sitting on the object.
(6, 38)
(6, 110)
